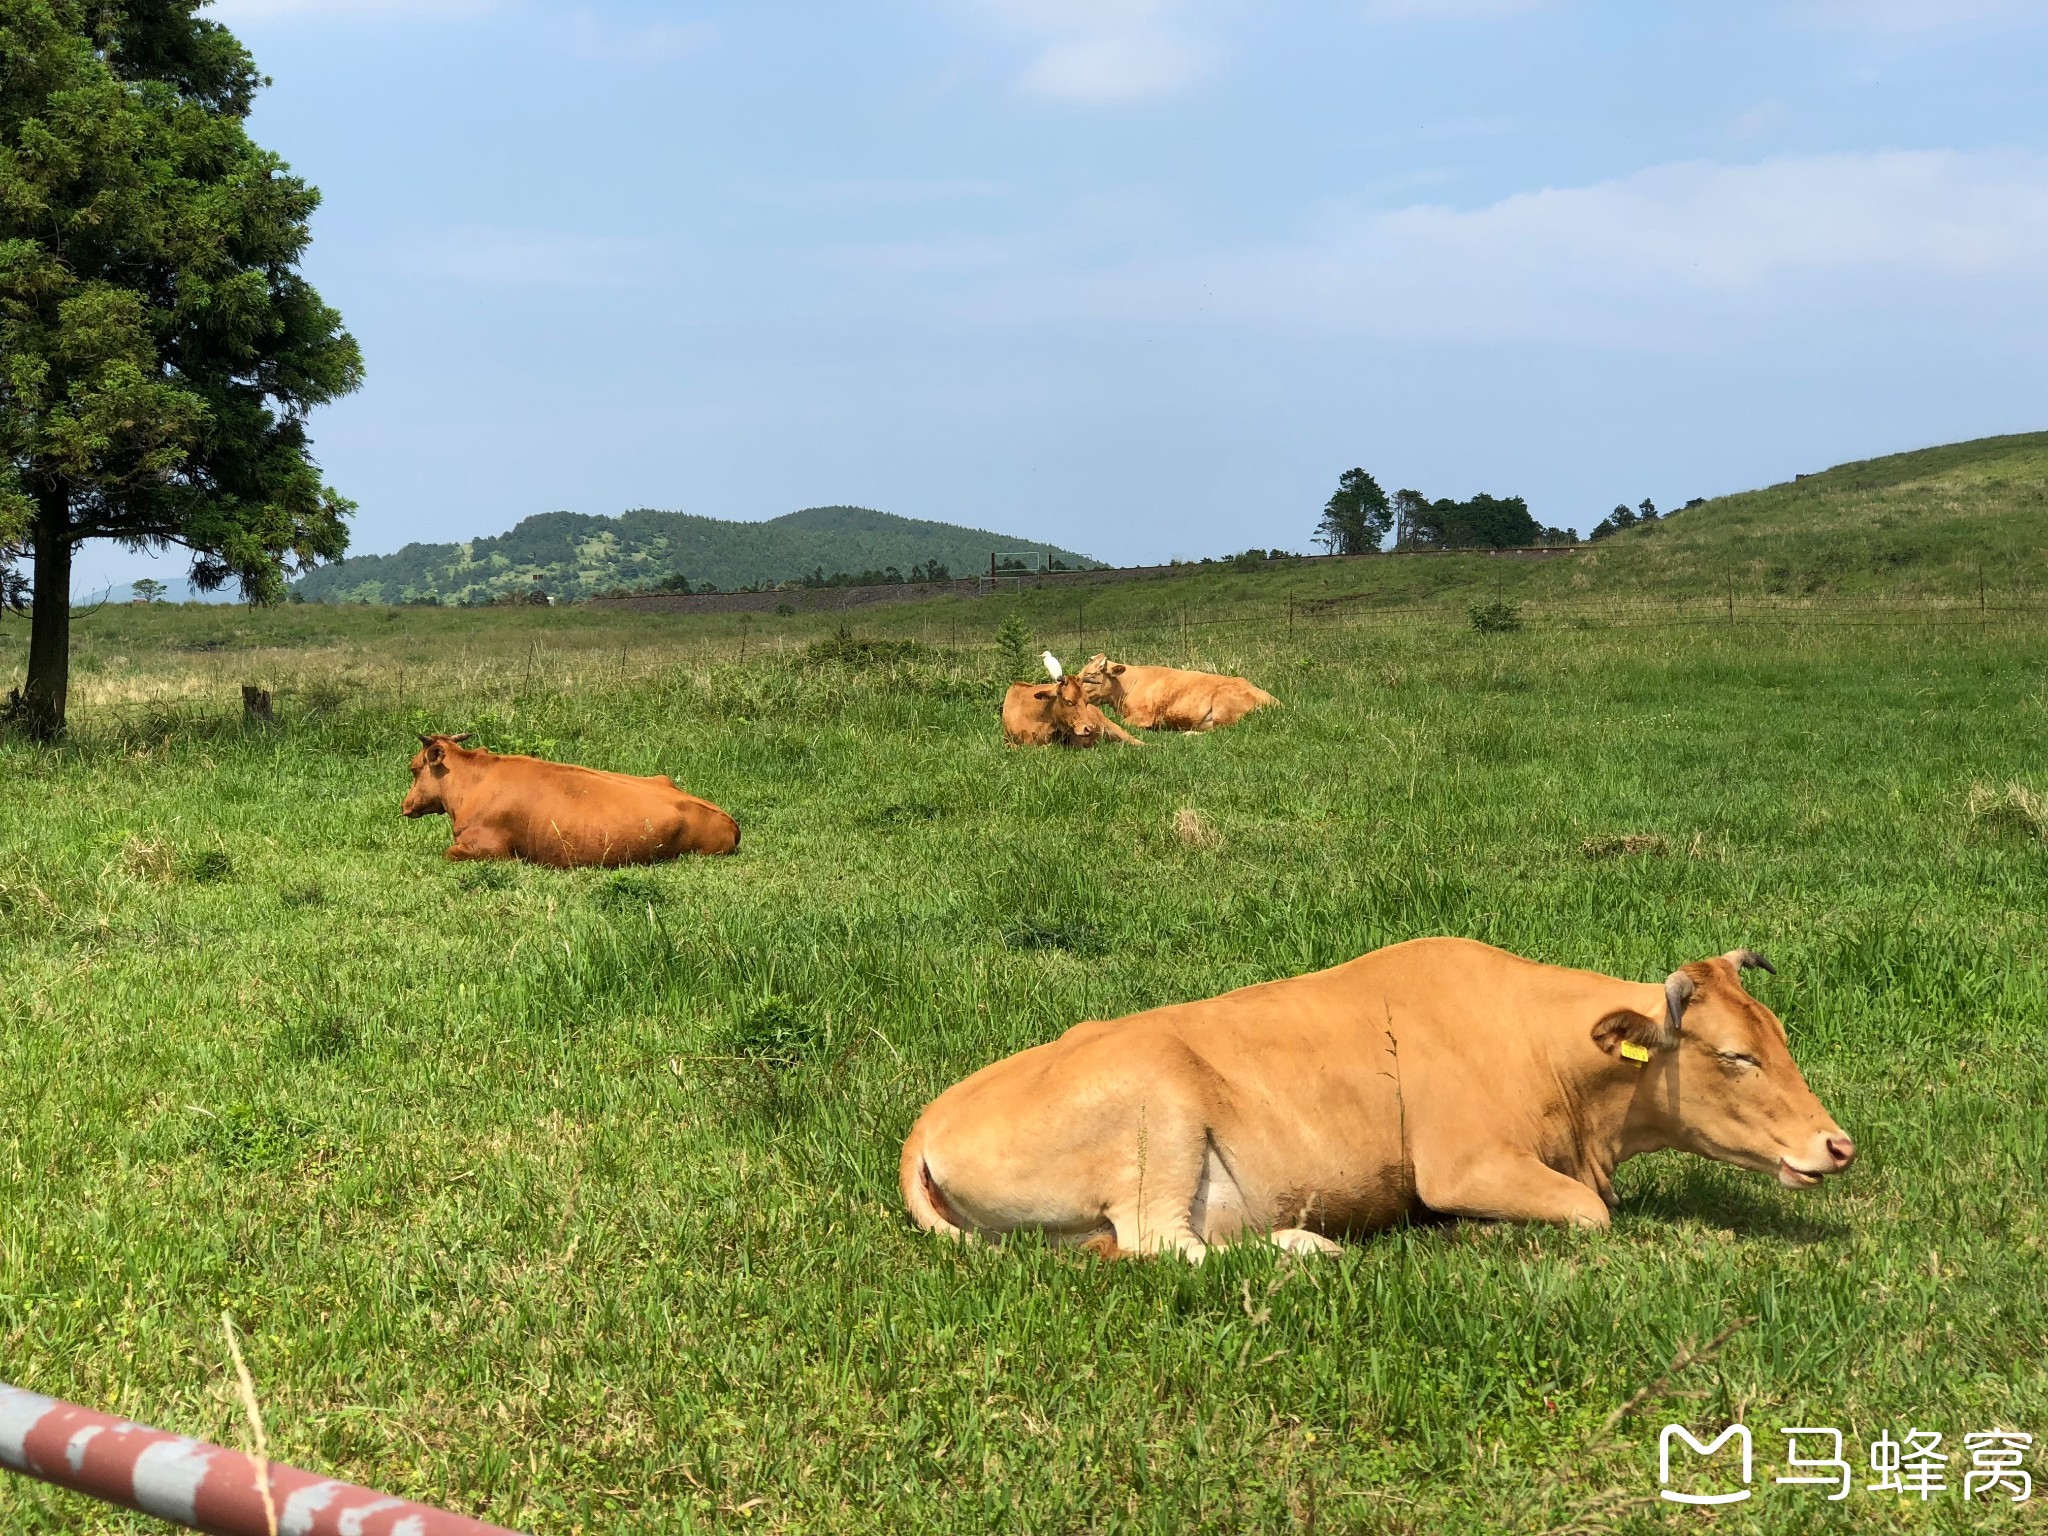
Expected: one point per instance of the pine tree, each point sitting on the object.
(159, 349)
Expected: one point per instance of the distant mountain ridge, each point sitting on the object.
(576, 554)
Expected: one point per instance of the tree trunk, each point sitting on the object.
(49, 635)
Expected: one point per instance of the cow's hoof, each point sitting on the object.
(1296, 1240)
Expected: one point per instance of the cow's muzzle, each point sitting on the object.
(1838, 1152)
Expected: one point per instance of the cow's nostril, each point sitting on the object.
(1842, 1150)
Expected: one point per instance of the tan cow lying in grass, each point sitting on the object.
(556, 813)
(1438, 1075)
(1056, 714)
(1168, 699)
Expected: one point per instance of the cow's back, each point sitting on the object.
(565, 814)
(1168, 698)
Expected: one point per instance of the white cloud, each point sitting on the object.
(1110, 50)
(1683, 258)
(1670, 256)
(530, 258)
(655, 43)
(1915, 17)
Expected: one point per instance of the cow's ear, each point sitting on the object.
(1625, 1029)
(1046, 693)
(436, 751)
(1119, 669)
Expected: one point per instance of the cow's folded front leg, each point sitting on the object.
(1511, 1188)
(477, 843)
(1299, 1240)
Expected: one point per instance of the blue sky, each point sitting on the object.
(1143, 277)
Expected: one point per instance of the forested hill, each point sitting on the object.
(572, 554)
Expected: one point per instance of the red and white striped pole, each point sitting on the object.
(206, 1487)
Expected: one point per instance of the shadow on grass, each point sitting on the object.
(1734, 1203)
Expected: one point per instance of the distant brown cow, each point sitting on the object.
(507, 807)
(1055, 714)
(1437, 1075)
(1168, 699)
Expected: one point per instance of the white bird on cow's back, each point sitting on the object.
(1053, 669)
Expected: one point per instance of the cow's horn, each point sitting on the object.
(1052, 666)
(426, 741)
(1678, 991)
(1749, 960)
(465, 736)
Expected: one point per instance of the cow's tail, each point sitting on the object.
(922, 1196)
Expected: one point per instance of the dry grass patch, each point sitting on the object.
(1193, 831)
(1615, 846)
(2013, 810)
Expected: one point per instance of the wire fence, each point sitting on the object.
(1166, 634)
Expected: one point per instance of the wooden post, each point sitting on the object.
(1731, 599)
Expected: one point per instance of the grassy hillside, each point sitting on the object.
(1930, 522)
(569, 1198)
(573, 554)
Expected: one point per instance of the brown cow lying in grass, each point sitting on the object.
(1168, 699)
(556, 813)
(1056, 714)
(1438, 1075)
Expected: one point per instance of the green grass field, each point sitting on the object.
(569, 1199)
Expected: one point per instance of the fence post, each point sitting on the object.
(1731, 599)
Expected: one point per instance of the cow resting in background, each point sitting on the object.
(1439, 1075)
(508, 807)
(1169, 699)
(1056, 714)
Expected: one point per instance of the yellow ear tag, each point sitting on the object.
(1638, 1054)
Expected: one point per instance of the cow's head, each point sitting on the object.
(1720, 1080)
(430, 775)
(1073, 720)
(1098, 679)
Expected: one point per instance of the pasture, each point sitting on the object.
(570, 1200)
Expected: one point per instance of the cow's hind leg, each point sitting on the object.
(1156, 1209)
(1299, 1240)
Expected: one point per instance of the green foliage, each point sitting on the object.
(1498, 617)
(206, 866)
(847, 649)
(1356, 519)
(1484, 522)
(1016, 653)
(577, 555)
(777, 1031)
(158, 346)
